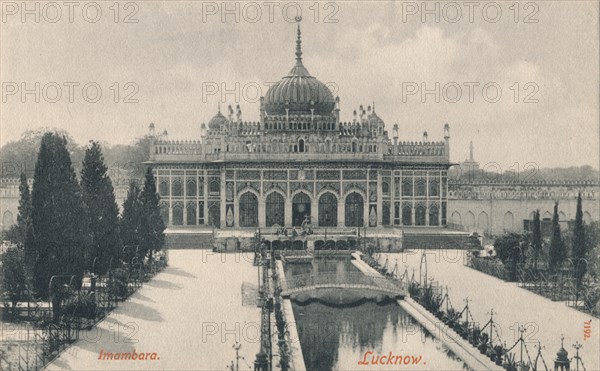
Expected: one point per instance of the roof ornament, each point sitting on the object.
(299, 43)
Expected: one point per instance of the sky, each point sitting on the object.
(527, 72)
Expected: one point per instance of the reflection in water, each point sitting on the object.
(338, 337)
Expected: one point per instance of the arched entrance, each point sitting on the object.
(354, 210)
(300, 208)
(275, 207)
(248, 210)
(328, 210)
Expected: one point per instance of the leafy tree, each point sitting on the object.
(592, 243)
(536, 239)
(511, 249)
(17, 232)
(22, 153)
(131, 221)
(13, 274)
(152, 236)
(58, 216)
(558, 251)
(103, 212)
(505, 244)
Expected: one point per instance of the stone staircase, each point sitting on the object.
(438, 241)
(200, 240)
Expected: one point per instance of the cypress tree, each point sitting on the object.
(58, 218)
(558, 252)
(103, 212)
(131, 221)
(18, 231)
(579, 246)
(152, 236)
(536, 238)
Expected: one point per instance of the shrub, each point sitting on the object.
(117, 284)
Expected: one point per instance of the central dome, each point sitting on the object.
(299, 91)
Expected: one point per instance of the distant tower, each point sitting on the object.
(471, 152)
(470, 165)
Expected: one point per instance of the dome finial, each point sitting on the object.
(299, 43)
(219, 107)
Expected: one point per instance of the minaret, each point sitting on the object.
(471, 152)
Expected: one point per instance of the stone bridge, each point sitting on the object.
(373, 285)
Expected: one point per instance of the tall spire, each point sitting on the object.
(471, 152)
(299, 69)
(299, 44)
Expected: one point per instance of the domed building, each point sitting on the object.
(300, 166)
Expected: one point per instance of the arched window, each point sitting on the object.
(482, 221)
(248, 210)
(191, 213)
(420, 215)
(163, 187)
(434, 188)
(301, 145)
(300, 209)
(406, 215)
(456, 218)
(385, 188)
(385, 216)
(420, 187)
(354, 146)
(434, 214)
(191, 187)
(354, 210)
(200, 186)
(328, 210)
(214, 187)
(177, 214)
(470, 220)
(177, 187)
(275, 207)
(407, 187)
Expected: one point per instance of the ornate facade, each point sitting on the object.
(300, 162)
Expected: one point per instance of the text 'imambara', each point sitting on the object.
(299, 163)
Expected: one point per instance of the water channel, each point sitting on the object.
(362, 335)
